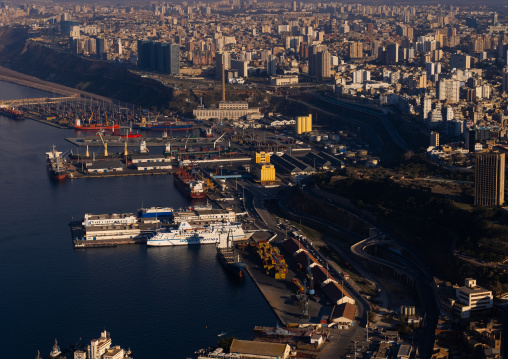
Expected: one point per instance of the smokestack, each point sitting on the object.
(223, 82)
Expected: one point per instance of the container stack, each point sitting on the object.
(273, 262)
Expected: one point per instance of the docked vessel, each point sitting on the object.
(228, 257)
(189, 185)
(94, 126)
(56, 165)
(155, 212)
(129, 134)
(174, 125)
(11, 112)
(185, 234)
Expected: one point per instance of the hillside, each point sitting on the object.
(99, 77)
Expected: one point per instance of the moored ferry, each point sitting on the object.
(185, 234)
(155, 212)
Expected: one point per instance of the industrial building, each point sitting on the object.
(262, 350)
(227, 110)
(303, 124)
(290, 165)
(262, 157)
(204, 216)
(344, 314)
(262, 169)
(284, 80)
(98, 167)
(265, 173)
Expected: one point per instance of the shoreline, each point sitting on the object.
(21, 79)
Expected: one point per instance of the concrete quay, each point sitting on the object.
(281, 296)
(125, 173)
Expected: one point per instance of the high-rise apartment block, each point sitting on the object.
(241, 66)
(271, 65)
(320, 61)
(505, 79)
(222, 58)
(448, 90)
(489, 179)
(356, 50)
(159, 56)
(392, 56)
(434, 139)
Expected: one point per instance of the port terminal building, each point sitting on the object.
(227, 110)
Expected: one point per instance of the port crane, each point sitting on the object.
(90, 119)
(104, 143)
(217, 140)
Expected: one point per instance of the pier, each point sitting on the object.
(37, 101)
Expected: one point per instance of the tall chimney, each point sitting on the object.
(223, 82)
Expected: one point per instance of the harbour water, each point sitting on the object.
(161, 302)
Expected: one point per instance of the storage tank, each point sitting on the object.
(362, 152)
(349, 154)
(324, 137)
(318, 138)
(312, 138)
(334, 150)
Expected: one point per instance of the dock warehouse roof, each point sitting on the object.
(290, 164)
(252, 349)
(344, 312)
(108, 164)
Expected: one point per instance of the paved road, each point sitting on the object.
(424, 281)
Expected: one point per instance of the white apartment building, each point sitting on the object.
(448, 90)
(472, 300)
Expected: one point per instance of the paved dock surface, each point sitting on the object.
(280, 294)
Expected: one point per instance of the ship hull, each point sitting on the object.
(59, 177)
(185, 190)
(96, 127)
(235, 268)
(167, 127)
(181, 242)
(17, 115)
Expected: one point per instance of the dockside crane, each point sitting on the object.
(104, 143)
(217, 140)
(90, 119)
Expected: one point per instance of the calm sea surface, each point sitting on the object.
(160, 302)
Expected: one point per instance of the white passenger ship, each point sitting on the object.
(185, 234)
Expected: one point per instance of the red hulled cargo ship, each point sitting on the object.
(11, 112)
(94, 126)
(189, 184)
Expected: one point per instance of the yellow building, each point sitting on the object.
(262, 157)
(303, 124)
(265, 173)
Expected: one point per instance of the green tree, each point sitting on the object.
(225, 343)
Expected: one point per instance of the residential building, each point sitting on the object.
(355, 50)
(489, 179)
(472, 300)
(448, 90)
(434, 139)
